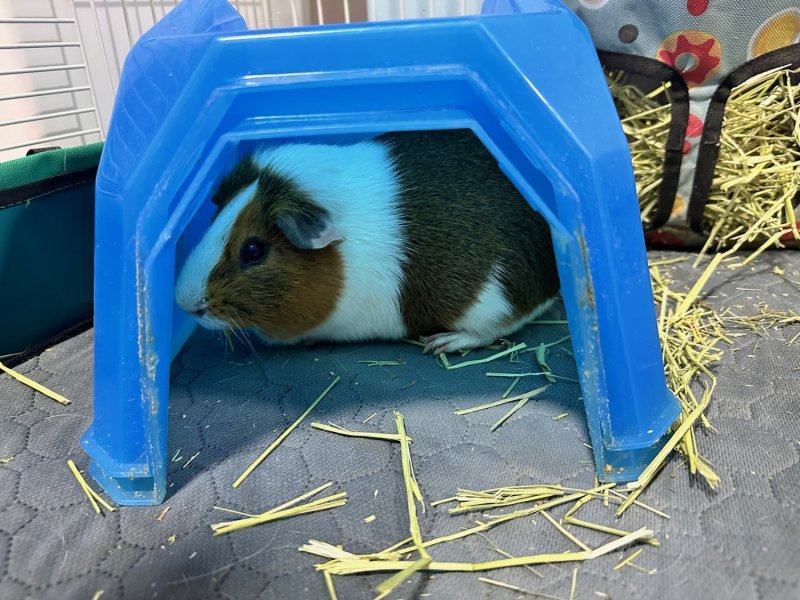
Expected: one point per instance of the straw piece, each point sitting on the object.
(36, 386)
(188, 462)
(574, 585)
(284, 511)
(329, 585)
(413, 494)
(525, 396)
(356, 564)
(382, 363)
(651, 469)
(494, 547)
(234, 512)
(605, 529)
(325, 550)
(510, 388)
(544, 373)
(509, 414)
(331, 428)
(625, 561)
(519, 590)
(469, 500)
(701, 282)
(283, 436)
(387, 586)
(84, 486)
(505, 496)
(566, 533)
(488, 359)
(93, 496)
(541, 351)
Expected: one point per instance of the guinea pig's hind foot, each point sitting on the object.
(454, 341)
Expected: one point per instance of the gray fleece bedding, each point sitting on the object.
(227, 405)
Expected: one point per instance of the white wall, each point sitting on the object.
(382, 10)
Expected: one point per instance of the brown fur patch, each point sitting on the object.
(463, 217)
(292, 290)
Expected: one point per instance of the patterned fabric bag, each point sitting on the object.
(716, 143)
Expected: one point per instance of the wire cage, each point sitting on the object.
(60, 60)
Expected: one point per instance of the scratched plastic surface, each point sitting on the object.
(199, 88)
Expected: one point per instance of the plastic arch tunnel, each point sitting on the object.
(523, 75)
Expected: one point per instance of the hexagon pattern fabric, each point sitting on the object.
(704, 40)
(740, 542)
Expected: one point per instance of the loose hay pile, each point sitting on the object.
(757, 175)
(645, 120)
(754, 191)
(691, 335)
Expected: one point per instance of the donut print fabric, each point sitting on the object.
(706, 42)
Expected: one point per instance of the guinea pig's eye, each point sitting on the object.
(252, 252)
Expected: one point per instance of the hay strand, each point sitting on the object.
(36, 386)
(488, 359)
(93, 496)
(518, 589)
(354, 564)
(284, 511)
(283, 435)
(373, 435)
(525, 396)
(413, 495)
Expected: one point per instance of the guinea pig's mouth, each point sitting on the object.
(211, 322)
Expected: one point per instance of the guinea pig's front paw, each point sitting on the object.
(454, 341)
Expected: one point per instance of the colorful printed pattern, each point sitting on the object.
(695, 54)
(704, 40)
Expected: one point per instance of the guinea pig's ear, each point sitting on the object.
(310, 228)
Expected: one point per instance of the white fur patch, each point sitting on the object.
(534, 314)
(487, 319)
(358, 186)
(489, 310)
(190, 289)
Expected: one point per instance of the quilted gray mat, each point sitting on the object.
(226, 406)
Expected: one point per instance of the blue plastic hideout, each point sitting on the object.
(523, 75)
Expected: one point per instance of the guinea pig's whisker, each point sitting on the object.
(237, 331)
(245, 337)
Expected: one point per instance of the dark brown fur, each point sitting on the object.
(462, 217)
(293, 290)
(242, 175)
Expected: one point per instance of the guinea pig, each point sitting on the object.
(412, 234)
